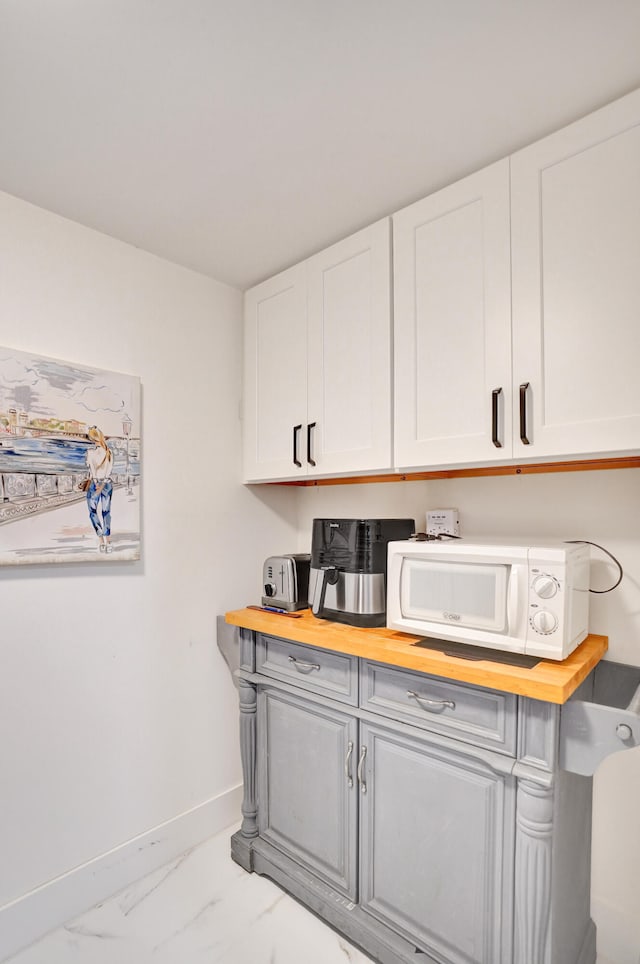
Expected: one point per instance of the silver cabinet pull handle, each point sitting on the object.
(432, 705)
(347, 764)
(361, 780)
(302, 666)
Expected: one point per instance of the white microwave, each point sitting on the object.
(517, 598)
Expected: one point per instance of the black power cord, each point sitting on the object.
(586, 542)
(429, 537)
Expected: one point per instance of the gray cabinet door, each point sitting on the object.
(437, 831)
(307, 798)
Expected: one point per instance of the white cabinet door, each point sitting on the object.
(275, 377)
(576, 286)
(452, 324)
(349, 365)
(317, 379)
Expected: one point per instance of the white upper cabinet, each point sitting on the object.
(318, 364)
(563, 296)
(516, 323)
(452, 324)
(576, 286)
(349, 374)
(275, 376)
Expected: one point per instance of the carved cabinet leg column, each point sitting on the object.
(241, 841)
(534, 830)
(248, 705)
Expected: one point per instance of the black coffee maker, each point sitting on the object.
(348, 575)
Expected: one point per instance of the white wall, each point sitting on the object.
(119, 731)
(117, 713)
(603, 507)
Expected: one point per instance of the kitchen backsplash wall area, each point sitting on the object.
(599, 506)
(602, 507)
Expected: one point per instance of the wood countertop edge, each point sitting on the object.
(549, 681)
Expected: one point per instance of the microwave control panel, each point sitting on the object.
(559, 598)
(544, 617)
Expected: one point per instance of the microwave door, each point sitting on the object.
(464, 595)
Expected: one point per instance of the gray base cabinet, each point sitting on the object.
(307, 808)
(427, 820)
(437, 846)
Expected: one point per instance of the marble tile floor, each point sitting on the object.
(199, 909)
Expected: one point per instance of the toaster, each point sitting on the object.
(286, 581)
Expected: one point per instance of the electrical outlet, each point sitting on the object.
(443, 522)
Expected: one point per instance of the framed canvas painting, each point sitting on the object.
(69, 462)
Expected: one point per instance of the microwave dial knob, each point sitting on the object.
(544, 622)
(545, 586)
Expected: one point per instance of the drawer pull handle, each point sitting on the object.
(361, 780)
(347, 764)
(302, 666)
(433, 706)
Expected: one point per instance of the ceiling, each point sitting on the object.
(238, 137)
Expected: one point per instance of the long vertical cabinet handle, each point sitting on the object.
(361, 780)
(495, 395)
(523, 413)
(347, 764)
(310, 427)
(296, 461)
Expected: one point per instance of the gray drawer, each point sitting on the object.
(469, 713)
(317, 670)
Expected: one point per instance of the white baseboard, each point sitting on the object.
(33, 915)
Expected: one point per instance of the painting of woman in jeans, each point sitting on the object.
(69, 442)
(100, 463)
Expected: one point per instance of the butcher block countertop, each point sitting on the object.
(548, 680)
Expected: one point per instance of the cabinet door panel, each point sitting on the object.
(275, 376)
(350, 353)
(576, 284)
(452, 323)
(306, 807)
(437, 848)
